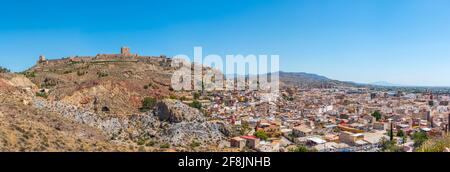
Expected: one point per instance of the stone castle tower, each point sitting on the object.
(42, 59)
(125, 51)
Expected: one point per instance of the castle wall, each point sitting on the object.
(125, 55)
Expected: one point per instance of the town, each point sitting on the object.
(107, 91)
(319, 119)
(345, 119)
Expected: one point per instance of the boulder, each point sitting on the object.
(175, 111)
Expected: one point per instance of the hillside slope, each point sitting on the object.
(26, 128)
(307, 80)
(115, 87)
(107, 93)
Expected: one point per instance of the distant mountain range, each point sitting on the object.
(384, 83)
(304, 80)
(308, 80)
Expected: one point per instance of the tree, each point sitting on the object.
(147, 104)
(404, 139)
(4, 70)
(261, 134)
(391, 132)
(301, 148)
(400, 133)
(245, 128)
(419, 138)
(389, 146)
(377, 115)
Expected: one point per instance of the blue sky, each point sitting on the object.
(399, 41)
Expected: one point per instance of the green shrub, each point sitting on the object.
(150, 143)
(194, 144)
(141, 142)
(148, 104)
(150, 85)
(288, 98)
(301, 148)
(390, 146)
(245, 128)
(400, 133)
(262, 135)
(164, 146)
(196, 104)
(30, 74)
(437, 145)
(41, 94)
(102, 74)
(196, 95)
(419, 138)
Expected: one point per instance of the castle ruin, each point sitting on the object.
(124, 56)
(42, 59)
(125, 51)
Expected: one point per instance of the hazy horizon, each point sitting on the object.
(405, 42)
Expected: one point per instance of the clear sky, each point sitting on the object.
(399, 41)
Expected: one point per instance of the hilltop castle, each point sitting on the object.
(42, 59)
(125, 55)
(125, 52)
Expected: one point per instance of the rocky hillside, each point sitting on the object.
(170, 124)
(111, 87)
(24, 127)
(35, 123)
(99, 102)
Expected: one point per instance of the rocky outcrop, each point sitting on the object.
(173, 122)
(22, 82)
(223, 127)
(19, 82)
(175, 111)
(185, 133)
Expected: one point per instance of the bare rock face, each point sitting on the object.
(224, 128)
(182, 125)
(175, 111)
(184, 133)
(9, 81)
